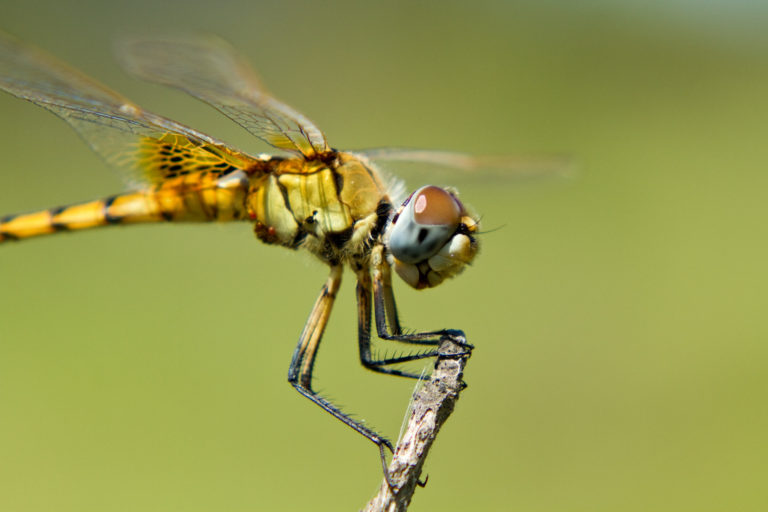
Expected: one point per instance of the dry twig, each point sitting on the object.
(431, 406)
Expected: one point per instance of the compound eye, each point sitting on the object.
(433, 206)
(426, 223)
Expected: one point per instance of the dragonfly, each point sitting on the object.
(309, 196)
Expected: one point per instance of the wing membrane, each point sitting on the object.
(113, 126)
(511, 166)
(210, 70)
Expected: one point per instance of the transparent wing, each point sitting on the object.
(126, 136)
(504, 166)
(210, 70)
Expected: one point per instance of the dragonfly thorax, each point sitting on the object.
(431, 237)
(333, 208)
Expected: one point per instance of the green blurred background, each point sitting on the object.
(618, 316)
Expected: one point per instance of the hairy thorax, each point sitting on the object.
(332, 208)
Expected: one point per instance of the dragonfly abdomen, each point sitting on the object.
(202, 196)
(197, 197)
(103, 212)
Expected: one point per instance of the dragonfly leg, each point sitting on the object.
(388, 326)
(388, 323)
(302, 363)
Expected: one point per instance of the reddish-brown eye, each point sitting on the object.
(433, 206)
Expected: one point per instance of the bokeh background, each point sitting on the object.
(619, 316)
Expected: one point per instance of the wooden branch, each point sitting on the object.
(431, 406)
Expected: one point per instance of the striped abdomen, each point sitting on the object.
(194, 197)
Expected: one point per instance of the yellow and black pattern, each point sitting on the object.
(103, 212)
(173, 155)
(208, 195)
(190, 181)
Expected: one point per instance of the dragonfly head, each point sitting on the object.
(431, 237)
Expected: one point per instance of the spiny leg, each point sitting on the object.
(388, 324)
(388, 328)
(302, 363)
(364, 335)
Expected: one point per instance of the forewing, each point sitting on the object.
(127, 137)
(210, 70)
(502, 166)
